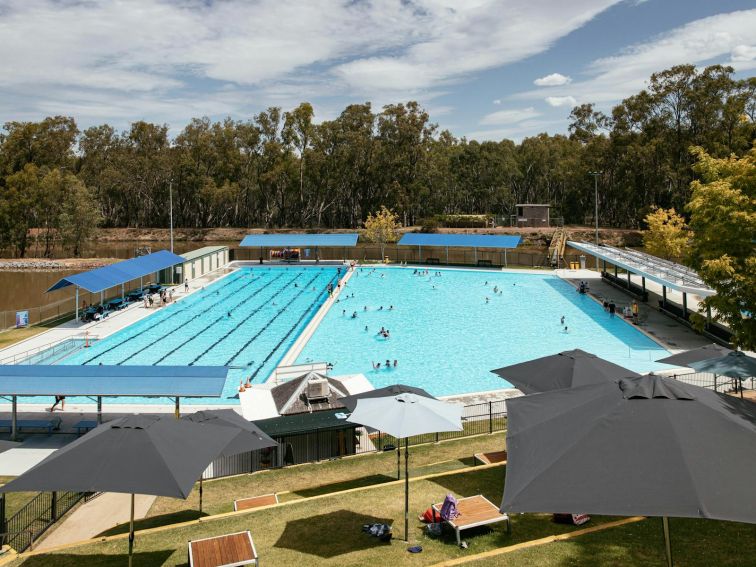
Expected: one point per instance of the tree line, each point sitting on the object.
(281, 169)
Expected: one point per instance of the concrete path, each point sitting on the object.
(96, 516)
(35, 449)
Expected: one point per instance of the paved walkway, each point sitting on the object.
(94, 517)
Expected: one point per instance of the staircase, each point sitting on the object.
(556, 248)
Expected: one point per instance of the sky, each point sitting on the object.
(483, 69)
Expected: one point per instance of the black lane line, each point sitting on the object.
(219, 319)
(209, 308)
(276, 316)
(286, 336)
(242, 320)
(177, 312)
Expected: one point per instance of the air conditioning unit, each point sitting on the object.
(317, 389)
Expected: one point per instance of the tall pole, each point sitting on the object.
(595, 192)
(170, 199)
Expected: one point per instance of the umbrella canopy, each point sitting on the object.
(647, 446)
(696, 354)
(350, 402)
(7, 445)
(567, 369)
(135, 454)
(734, 364)
(405, 415)
(248, 437)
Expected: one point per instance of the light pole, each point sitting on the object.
(595, 190)
(170, 199)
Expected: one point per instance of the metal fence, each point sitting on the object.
(310, 447)
(40, 314)
(36, 517)
(721, 384)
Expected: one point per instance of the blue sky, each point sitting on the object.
(484, 69)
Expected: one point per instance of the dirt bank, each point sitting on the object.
(44, 264)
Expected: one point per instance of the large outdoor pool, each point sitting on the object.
(447, 338)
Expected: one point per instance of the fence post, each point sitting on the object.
(3, 527)
(436, 436)
(53, 506)
(490, 417)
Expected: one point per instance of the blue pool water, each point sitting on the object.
(268, 309)
(446, 338)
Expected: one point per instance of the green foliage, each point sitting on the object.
(382, 227)
(666, 236)
(723, 218)
(79, 216)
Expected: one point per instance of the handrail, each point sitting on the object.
(36, 350)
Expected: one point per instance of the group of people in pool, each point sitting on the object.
(386, 365)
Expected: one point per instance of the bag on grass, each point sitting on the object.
(449, 508)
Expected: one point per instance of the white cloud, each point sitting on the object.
(553, 80)
(513, 116)
(497, 101)
(517, 132)
(561, 100)
(724, 38)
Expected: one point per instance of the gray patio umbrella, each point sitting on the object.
(564, 370)
(248, 437)
(350, 402)
(648, 446)
(696, 354)
(403, 416)
(734, 364)
(138, 454)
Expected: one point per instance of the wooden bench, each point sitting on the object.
(227, 550)
(474, 511)
(48, 425)
(432, 261)
(491, 458)
(84, 425)
(255, 502)
(485, 263)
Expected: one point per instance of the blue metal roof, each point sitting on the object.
(70, 380)
(299, 240)
(121, 272)
(460, 240)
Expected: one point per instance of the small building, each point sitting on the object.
(199, 262)
(532, 215)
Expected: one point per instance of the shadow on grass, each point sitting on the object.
(344, 485)
(154, 522)
(330, 535)
(488, 482)
(143, 559)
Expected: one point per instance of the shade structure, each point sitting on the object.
(567, 369)
(350, 402)
(646, 445)
(8, 445)
(137, 454)
(320, 240)
(696, 354)
(460, 240)
(247, 436)
(403, 416)
(734, 364)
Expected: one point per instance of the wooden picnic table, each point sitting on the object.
(474, 511)
(255, 502)
(223, 551)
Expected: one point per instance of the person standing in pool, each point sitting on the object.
(186, 286)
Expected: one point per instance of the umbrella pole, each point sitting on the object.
(667, 543)
(131, 530)
(406, 489)
(200, 509)
(399, 461)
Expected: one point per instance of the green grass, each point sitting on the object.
(13, 336)
(14, 501)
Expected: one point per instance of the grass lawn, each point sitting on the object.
(14, 501)
(12, 336)
(327, 531)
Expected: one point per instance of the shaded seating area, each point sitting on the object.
(495, 245)
(231, 549)
(474, 512)
(255, 502)
(46, 425)
(293, 247)
(491, 457)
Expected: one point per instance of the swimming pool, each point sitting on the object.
(447, 338)
(247, 320)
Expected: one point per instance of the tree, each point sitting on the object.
(723, 218)
(666, 236)
(79, 216)
(18, 207)
(382, 227)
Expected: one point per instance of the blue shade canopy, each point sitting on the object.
(299, 240)
(106, 277)
(139, 381)
(460, 240)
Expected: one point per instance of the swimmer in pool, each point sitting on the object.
(354, 315)
(388, 363)
(562, 320)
